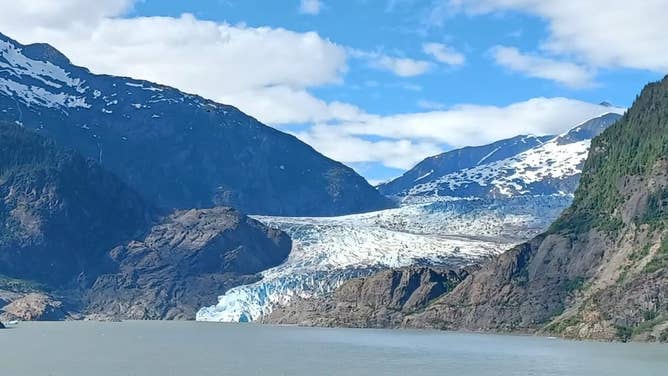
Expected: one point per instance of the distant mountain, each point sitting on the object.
(178, 150)
(446, 163)
(524, 165)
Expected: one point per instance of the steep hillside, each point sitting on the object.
(601, 270)
(178, 150)
(67, 242)
(60, 214)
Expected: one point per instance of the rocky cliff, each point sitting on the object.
(379, 301)
(184, 263)
(600, 271)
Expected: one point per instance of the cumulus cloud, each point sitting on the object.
(565, 73)
(58, 14)
(310, 6)
(602, 33)
(400, 66)
(336, 143)
(401, 140)
(444, 54)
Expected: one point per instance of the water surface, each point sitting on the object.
(208, 349)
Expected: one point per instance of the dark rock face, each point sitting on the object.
(379, 301)
(177, 150)
(600, 272)
(59, 213)
(184, 263)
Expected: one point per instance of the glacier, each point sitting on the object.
(328, 251)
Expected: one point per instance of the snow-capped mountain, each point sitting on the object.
(522, 166)
(178, 150)
(461, 207)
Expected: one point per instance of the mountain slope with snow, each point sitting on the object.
(178, 150)
(550, 166)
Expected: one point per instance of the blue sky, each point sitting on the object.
(377, 84)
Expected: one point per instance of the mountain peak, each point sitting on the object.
(46, 52)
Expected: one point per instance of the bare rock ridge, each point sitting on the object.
(379, 301)
(184, 263)
(177, 150)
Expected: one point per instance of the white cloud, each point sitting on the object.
(283, 105)
(400, 66)
(334, 142)
(470, 124)
(310, 6)
(403, 67)
(430, 105)
(58, 14)
(401, 140)
(565, 73)
(602, 33)
(444, 54)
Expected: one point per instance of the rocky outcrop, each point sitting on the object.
(34, 307)
(379, 301)
(600, 271)
(184, 263)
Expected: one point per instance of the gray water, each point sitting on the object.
(203, 349)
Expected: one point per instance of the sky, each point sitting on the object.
(376, 84)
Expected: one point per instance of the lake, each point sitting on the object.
(203, 349)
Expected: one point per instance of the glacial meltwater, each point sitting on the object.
(203, 349)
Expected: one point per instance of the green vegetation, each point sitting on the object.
(663, 337)
(624, 333)
(560, 326)
(574, 284)
(631, 147)
(660, 260)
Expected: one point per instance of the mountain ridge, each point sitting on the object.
(178, 150)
